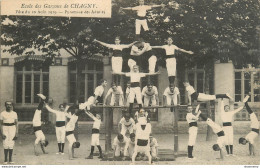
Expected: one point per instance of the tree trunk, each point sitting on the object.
(208, 71)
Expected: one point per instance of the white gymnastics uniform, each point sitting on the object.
(135, 90)
(129, 148)
(95, 132)
(117, 60)
(171, 97)
(217, 129)
(142, 139)
(141, 18)
(193, 128)
(170, 59)
(149, 96)
(152, 59)
(99, 91)
(254, 133)
(70, 128)
(37, 123)
(119, 146)
(130, 125)
(9, 128)
(61, 117)
(200, 96)
(153, 146)
(118, 93)
(227, 119)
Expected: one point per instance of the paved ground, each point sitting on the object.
(23, 154)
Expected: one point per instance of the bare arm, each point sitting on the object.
(42, 147)
(189, 98)
(50, 109)
(157, 99)
(16, 125)
(103, 44)
(1, 121)
(157, 47)
(105, 99)
(182, 50)
(128, 8)
(70, 153)
(164, 100)
(131, 44)
(36, 153)
(119, 127)
(91, 115)
(238, 109)
(221, 154)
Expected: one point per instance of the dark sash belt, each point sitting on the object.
(37, 128)
(8, 124)
(95, 131)
(169, 56)
(221, 133)
(193, 124)
(117, 53)
(227, 124)
(141, 142)
(60, 123)
(194, 96)
(255, 130)
(68, 133)
(135, 84)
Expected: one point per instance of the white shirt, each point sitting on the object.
(171, 96)
(37, 118)
(143, 134)
(135, 77)
(191, 118)
(147, 93)
(215, 127)
(97, 123)
(117, 46)
(127, 91)
(190, 90)
(170, 49)
(87, 103)
(153, 143)
(229, 116)
(131, 122)
(8, 117)
(129, 143)
(141, 10)
(60, 115)
(116, 142)
(99, 91)
(118, 91)
(71, 124)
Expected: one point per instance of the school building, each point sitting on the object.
(22, 77)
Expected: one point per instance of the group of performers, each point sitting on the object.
(140, 140)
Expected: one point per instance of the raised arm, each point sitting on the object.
(238, 109)
(128, 8)
(157, 47)
(182, 50)
(103, 44)
(91, 115)
(156, 6)
(50, 109)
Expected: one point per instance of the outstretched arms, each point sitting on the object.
(104, 44)
(182, 50)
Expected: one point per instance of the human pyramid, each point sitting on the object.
(140, 139)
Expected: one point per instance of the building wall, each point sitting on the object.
(58, 86)
(6, 85)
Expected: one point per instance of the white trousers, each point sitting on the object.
(171, 66)
(138, 24)
(9, 132)
(147, 101)
(60, 134)
(113, 100)
(192, 135)
(39, 137)
(94, 139)
(124, 129)
(153, 152)
(117, 63)
(135, 92)
(229, 133)
(71, 139)
(206, 97)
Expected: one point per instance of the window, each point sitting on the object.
(91, 74)
(247, 82)
(31, 79)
